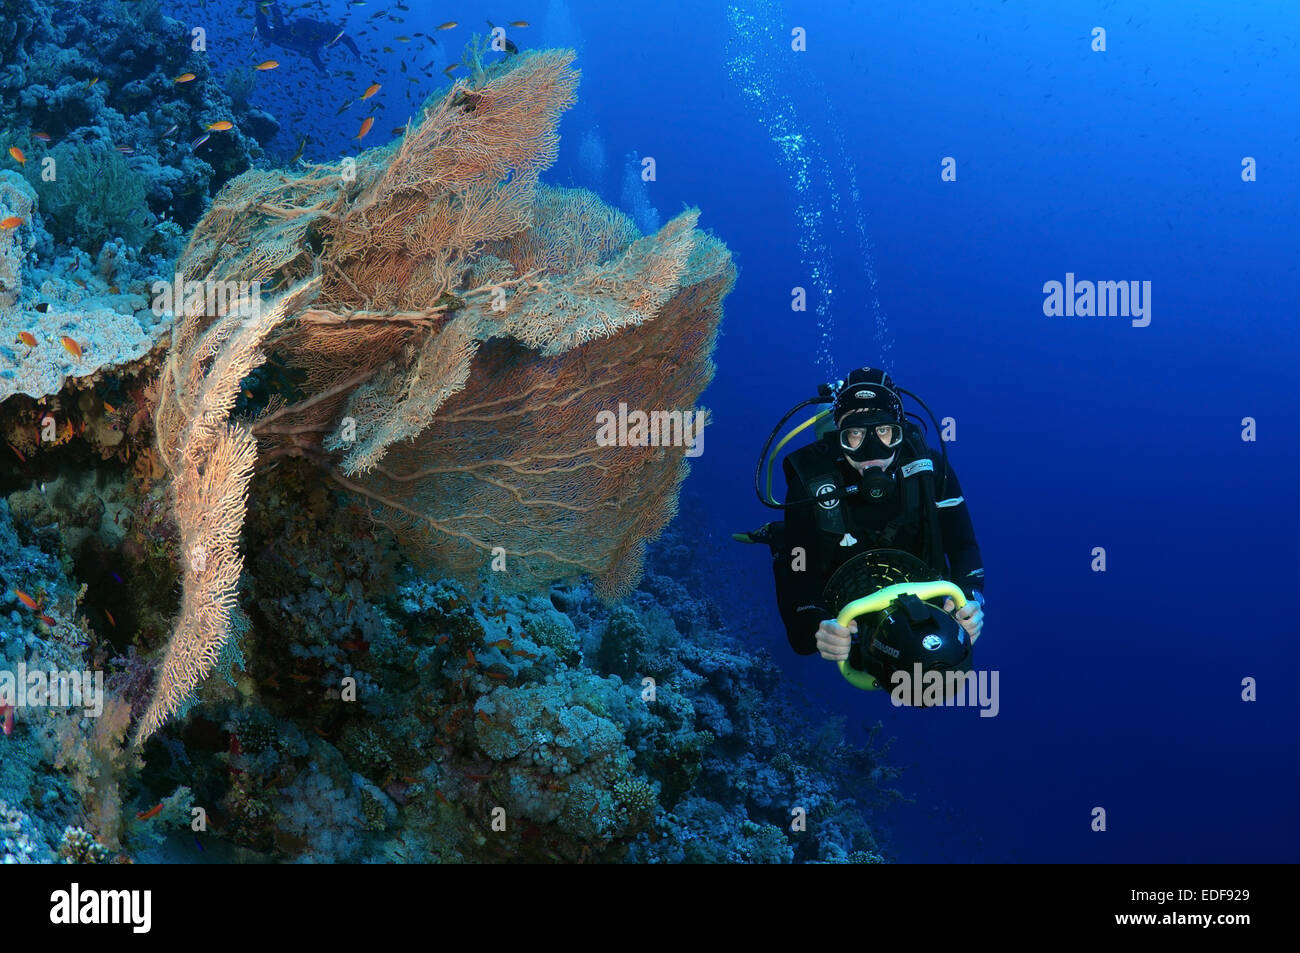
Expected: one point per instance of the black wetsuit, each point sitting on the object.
(799, 594)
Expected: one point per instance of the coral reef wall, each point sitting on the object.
(347, 547)
(100, 177)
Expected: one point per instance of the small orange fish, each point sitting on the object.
(43, 136)
(13, 221)
(25, 599)
(498, 676)
(92, 82)
(18, 155)
(109, 408)
(299, 677)
(365, 127)
(371, 90)
(152, 812)
(269, 64)
(47, 620)
(449, 25)
(442, 797)
(221, 125)
(518, 24)
(15, 450)
(111, 620)
(185, 78)
(9, 719)
(444, 639)
(483, 717)
(502, 644)
(469, 654)
(71, 346)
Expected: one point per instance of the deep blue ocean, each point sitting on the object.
(824, 169)
(1120, 689)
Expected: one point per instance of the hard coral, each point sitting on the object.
(17, 199)
(79, 846)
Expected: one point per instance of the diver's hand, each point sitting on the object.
(833, 640)
(971, 617)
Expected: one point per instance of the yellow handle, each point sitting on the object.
(880, 600)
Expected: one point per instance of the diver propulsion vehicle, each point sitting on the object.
(891, 592)
(898, 627)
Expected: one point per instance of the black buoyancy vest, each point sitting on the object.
(817, 468)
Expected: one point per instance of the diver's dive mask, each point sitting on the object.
(864, 437)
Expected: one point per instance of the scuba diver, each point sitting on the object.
(304, 36)
(874, 527)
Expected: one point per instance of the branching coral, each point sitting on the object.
(211, 462)
(458, 329)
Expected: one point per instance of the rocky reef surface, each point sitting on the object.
(367, 712)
